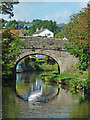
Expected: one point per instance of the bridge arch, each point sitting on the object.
(51, 47)
(47, 53)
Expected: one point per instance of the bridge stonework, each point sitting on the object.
(48, 46)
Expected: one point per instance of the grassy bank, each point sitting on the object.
(73, 78)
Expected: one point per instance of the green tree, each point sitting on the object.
(12, 22)
(10, 50)
(32, 30)
(64, 31)
(3, 23)
(25, 32)
(59, 35)
(78, 36)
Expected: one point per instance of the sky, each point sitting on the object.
(55, 11)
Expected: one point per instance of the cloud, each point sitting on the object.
(83, 4)
(59, 16)
(22, 11)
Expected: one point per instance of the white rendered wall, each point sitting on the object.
(44, 33)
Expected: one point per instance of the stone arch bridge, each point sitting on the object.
(52, 47)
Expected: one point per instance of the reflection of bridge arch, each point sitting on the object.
(47, 53)
(39, 95)
(34, 90)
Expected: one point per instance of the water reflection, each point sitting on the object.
(33, 89)
(64, 104)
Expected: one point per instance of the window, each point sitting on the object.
(48, 34)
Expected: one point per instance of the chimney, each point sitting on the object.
(37, 29)
(42, 28)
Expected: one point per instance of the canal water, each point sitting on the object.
(31, 97)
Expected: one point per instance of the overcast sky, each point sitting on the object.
(55, 11)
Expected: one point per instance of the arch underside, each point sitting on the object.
(46, 52)
(63, 58)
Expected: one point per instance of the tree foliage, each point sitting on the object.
(10, 50)
(59, 35)
(7, 7)
(64, 31)
(78, 36)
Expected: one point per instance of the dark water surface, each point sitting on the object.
(30, 97)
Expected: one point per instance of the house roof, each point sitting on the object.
(2, 30)
(12, 31)
(40, 31)
(16, 31)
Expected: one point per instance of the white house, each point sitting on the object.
(65, 38)
(43, 32)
